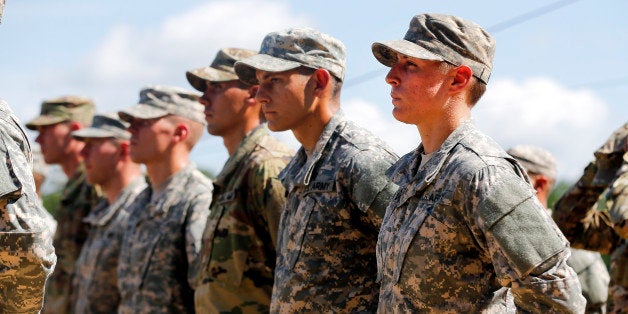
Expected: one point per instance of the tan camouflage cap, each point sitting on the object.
(293, 48)
(535, 159)
(221, 69)
(105, 125)
(442, 38)
(66, 108)
(159, 101)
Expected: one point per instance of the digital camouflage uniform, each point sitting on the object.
(162, 242)
(466, 227)
(605, 231)
(328, 229)
(95, 279)
(237, 260)
(27, 256)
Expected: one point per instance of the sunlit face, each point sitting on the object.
(150, 139)
(54, 140)
(224, 106)
(284, 98)
(418, 89)
(101, 156)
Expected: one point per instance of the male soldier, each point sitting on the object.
(464, 227)
(588, 228)
(107, 163)
(27, 256)
(237, 259)
(59, 117)
(163, 237)
(540, 165)
(336, 183)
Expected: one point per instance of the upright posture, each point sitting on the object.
(237, 260)
(465, 226)
(540, 166)
(336, 183)
(163, 236)
(587, 227)
(27, 256)
(107, 163)
(59, 117)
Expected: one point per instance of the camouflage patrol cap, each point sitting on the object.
(293, 48)
(441, 37)
(66, 108)
(159, 101)
(610, 157)
(221, 69)
(105, 125)
(535, 159)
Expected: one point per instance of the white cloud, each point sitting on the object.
(569, 123)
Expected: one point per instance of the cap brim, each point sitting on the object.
(386, 52)
(44, 120)
(198, 77)
(141, 111)
(262, 62)
(92, 133)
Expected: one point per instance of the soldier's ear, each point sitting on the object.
(125, 148)
(181, 132)
(75, 126)
(252, 92)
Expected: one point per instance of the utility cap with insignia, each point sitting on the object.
(221, 69)
(535, 159)
(160, 101)
(293, 48)
(105, 125)
(66, 108)
(441, 37)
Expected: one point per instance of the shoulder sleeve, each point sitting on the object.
(196, 219)
(618, 205)
(528, 250)
(577, 216)
(369, 186)
(26, 252)
(267, 195)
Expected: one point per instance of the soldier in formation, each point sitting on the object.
(336, 186)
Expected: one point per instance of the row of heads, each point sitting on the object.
(430, 36)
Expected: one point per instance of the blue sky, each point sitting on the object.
(559, 79)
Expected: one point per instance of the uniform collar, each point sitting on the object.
(306, 165)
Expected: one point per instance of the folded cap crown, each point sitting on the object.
(65, 108)
(293, 48)
(159, 101)
(221, 69)
(442, 38)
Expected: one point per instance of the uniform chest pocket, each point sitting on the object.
(421, 237)
(302, 225)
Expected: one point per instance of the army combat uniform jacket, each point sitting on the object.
(464, 230)
(238, 252)
(95, 280)
(161, 243)
(77, 199)
(328, 229)
(576, 213)
(27, 256)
